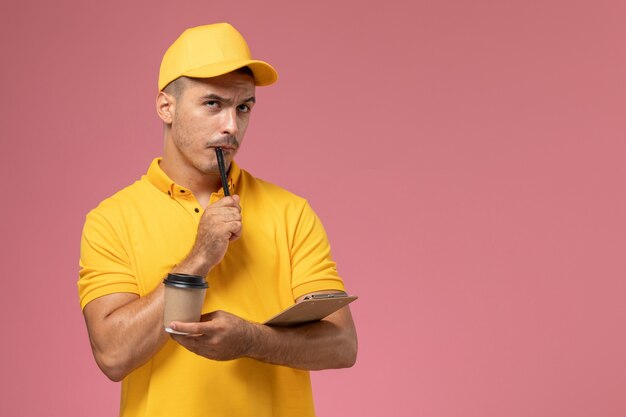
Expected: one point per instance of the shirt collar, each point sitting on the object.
(159, 179)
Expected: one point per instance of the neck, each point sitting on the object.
(183, 173)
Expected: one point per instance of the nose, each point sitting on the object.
(229, 122)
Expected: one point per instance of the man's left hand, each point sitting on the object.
(220, 336)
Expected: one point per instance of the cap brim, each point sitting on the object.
(264, 73)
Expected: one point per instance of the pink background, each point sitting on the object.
(466, 157)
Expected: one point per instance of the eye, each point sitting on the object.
(244, 108)
(212, 103)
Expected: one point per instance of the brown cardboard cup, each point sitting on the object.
(184, 296)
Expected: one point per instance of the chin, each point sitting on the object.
(209, 168)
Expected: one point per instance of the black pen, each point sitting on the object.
(220, 163)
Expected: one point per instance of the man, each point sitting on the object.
(261, 250)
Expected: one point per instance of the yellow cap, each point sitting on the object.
(211, 50)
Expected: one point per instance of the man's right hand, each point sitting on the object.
(219, 225)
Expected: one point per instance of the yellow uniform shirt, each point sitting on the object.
(134, 238)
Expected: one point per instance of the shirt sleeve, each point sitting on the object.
(104, 263)
(313, 268)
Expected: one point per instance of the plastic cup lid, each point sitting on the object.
(185, 281)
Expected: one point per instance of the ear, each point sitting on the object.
(165, 107)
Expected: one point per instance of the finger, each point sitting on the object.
(232, 214)
(231, 201)
(224, 214)
(234, 228)
(185, 340)
(235, 232)
(225, 202)
(199, 328)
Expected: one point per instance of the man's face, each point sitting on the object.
(210, 113)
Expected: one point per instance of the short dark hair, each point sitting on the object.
(176, 87)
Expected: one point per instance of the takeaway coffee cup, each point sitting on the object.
(184, 296)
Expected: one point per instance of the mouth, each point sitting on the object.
(225, 147)
(228, 143)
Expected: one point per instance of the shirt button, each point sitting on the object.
(197, 210)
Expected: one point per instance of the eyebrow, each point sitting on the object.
(212, 96)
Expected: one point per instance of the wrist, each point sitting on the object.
(193, 265)
(258, 338)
